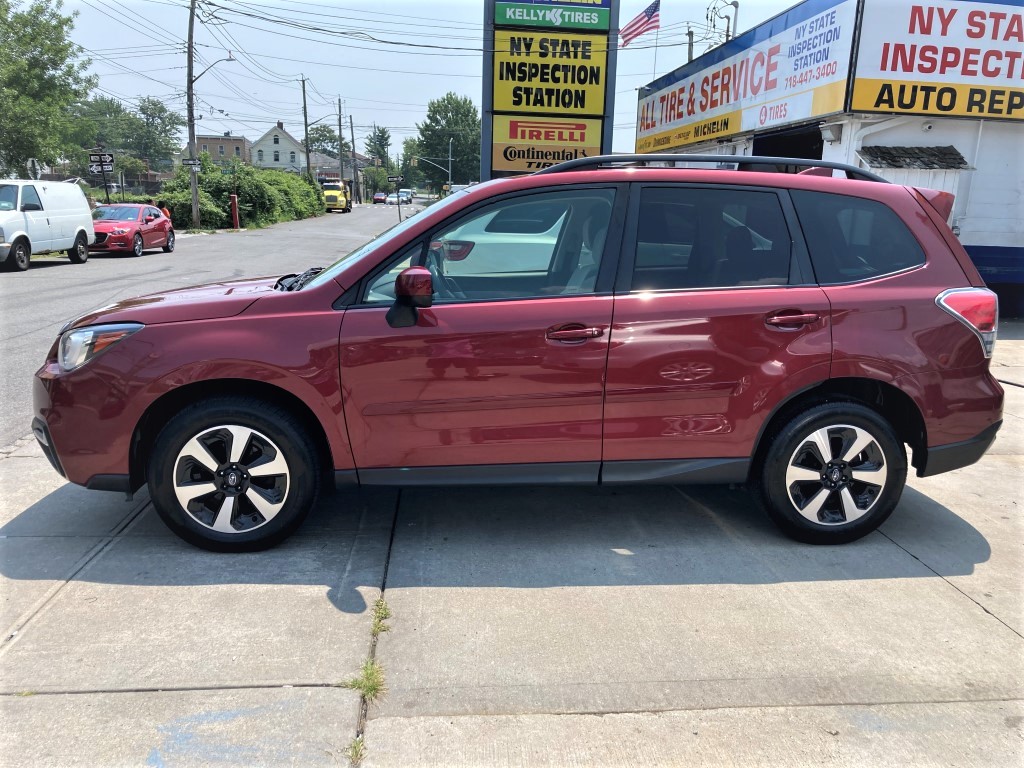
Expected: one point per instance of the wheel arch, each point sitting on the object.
(161, 410)
(890, 402)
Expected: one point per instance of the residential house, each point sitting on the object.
(279, 149)
(222, 148)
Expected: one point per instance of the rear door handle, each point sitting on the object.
(804, 318)
(574, 333)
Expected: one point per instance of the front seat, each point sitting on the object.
(595, 229)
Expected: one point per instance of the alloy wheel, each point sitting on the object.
(231, 479)
(836, 474)
(137, 245)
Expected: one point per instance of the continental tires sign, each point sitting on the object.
(548, 95)
(523, 144)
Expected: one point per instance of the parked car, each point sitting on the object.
(336, 197)
(131, 228)
(392, 199)
(380, 197)
(789, 331)
(42, 217)
(406, 195)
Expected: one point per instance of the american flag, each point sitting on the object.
(645, 22)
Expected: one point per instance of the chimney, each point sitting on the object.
(280, 125)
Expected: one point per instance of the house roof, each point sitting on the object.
(279, 128)
(924, 158)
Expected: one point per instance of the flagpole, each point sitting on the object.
(654, 69)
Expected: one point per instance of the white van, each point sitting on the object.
(41, 217)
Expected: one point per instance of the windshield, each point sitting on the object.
(333, 187)
(115, 213)
(8, 197)
(395, 233)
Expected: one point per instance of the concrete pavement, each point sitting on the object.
(551, 627)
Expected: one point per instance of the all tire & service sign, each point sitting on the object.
(788, 69)
(956, 58)
(548, 83)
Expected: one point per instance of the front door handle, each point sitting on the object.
(796, 319)
(573, 333)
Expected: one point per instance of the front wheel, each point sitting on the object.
(18, 258)
(137, 245)
(79, 252)
(233, 474)
(169, 245)
(833, 474)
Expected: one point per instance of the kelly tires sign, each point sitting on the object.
(548, 83)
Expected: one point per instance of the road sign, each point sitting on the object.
(100, 167)
(101, 157)
(191, 161)
(396, 179)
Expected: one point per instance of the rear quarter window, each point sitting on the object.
(852, 238)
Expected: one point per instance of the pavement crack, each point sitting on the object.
(16, 630)
(168, 689)
(1011, 383)
(950, 583)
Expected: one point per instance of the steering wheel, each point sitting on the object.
(446, 287)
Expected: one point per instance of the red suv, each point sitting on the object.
(590, 323)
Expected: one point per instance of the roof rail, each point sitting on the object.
(581, 163)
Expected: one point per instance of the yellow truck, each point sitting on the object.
(337, 197)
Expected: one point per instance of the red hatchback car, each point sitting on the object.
(590, 323)
(131, 228)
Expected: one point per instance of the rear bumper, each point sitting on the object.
(945, 458)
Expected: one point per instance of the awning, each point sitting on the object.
(921, 158)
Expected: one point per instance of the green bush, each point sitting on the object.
(264, 196)
(211, 215)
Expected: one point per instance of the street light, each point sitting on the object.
(192, 118)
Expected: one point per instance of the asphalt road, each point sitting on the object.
(35, 304)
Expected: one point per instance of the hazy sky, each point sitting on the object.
(137, 48)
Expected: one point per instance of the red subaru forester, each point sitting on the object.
(595, 322)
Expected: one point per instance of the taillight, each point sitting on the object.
(977, 308)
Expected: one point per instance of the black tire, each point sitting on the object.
(169, 248)
(172, 470)
(19, 257)
(851, 507)
(138, 245)
(79, 253)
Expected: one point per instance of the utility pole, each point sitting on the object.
(305, 122)
(355, 170)
(341, 159)
(450, 163)
(190, 97)
(689, 45)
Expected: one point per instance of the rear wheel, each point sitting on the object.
(233, 474)
(79, 253)
(833, 474)
(137, 245)
(169, 246)
(18, 258)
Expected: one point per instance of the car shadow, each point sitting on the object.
(521, 538)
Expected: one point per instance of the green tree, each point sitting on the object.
(378, 143)
(324, 139)
(157, 140)
(41, 81)
(451, 117)
(376, 180)
(413, 173)
(103, 121)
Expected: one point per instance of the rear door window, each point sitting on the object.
(852, 238)
(29, 195)
(691, 237)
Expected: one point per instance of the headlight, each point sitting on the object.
(119, 231)
(81, 345)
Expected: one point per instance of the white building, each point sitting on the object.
(930, 96)
(279, 149)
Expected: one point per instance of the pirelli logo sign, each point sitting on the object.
(522, 144)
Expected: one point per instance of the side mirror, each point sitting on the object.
(150, 219)
(414, 288)
(31, 207)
